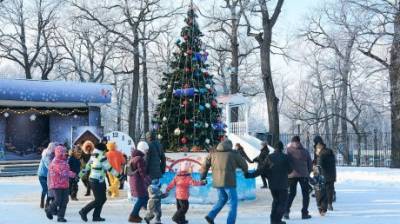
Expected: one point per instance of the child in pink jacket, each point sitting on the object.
(59, 174)
(182, 181)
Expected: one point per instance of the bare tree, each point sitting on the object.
(25, 31)
(264, 39)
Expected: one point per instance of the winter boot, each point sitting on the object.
(330, 207)
(61, 219)
(209, 220)
(147, 220)
(135, 219)
(83, 216)
(99, 219)
(286, 216)
(42, 201)
(305, 216)
(48, 214)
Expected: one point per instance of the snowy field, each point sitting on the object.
(364, 196)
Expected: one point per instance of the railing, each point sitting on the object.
(238, 128)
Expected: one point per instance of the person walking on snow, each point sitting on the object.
(116, 159)
(47, 157)
(98, 165)
(182, 181)
(155, 159)
(277, 167)
(223, 163)
(264, 152)
(59, 174)
(154, 202)
(75, 166)
(87, 149)
(325, 158)
(139, 180)
(301, 163)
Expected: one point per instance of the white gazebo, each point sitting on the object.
(235, 113)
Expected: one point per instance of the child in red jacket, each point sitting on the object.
(59, 174)
(182, 181)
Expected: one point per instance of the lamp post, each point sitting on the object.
(298, 123)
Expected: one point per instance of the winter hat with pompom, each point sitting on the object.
(88, 147)
(143, 147)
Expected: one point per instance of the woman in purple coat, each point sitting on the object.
(138, 180)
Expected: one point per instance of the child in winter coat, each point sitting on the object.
(318, 181)
(116, 160)
(59, 174)
(182, 181)
(75, 165)
(47, 157)
(154, 202)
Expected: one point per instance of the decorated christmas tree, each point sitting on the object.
(188, 117)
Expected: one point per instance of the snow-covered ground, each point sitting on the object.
(364, 196)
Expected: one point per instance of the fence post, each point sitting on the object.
(375, 148)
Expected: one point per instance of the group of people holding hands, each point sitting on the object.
(59, 176)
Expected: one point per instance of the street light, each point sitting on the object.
(298, 123)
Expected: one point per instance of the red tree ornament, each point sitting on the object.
(188, 69)
(189, 52)
(205, 73)
(186, 37)
(186, 121)
(184, 140)
(214, 103)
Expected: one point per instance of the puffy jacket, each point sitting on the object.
(59, 172)
(224, 162)
(115, 157)
(74, 164)
(138, 178)
(155, 160)
(327, 161)
(47, 157)
(182, 182)
(299, 159)
(98, 165)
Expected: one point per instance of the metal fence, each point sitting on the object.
(373, 148)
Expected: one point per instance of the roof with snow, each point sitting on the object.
(232, 99)
(38, 93)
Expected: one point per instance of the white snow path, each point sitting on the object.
(365, 196)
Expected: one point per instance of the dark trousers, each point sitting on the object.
(264, 180)
(43, 184)
(141, 202)
(182, 207)
(304, 190)
(279, 199)
(99, 192)
(322, 200)
(85, 181)
(59, 205)
(330, 191)
(73, 188)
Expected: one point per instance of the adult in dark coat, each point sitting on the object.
(155, 159)
(264, 152)
(326, 159)
(301, 163)
(277, 168)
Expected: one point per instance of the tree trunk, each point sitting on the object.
(145, 90)
(120, 101)
(394, 75)
(269, 89)
(135, 87)
(234, 87)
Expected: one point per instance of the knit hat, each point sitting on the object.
(101, 147)
(226, 145)
(143, 147)
(111, 146)
(318, 139)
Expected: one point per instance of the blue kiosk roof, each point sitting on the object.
(37, 93)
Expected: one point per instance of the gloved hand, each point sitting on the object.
(203, 182)
(165, 195)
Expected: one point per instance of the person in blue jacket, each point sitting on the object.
(47, 157)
